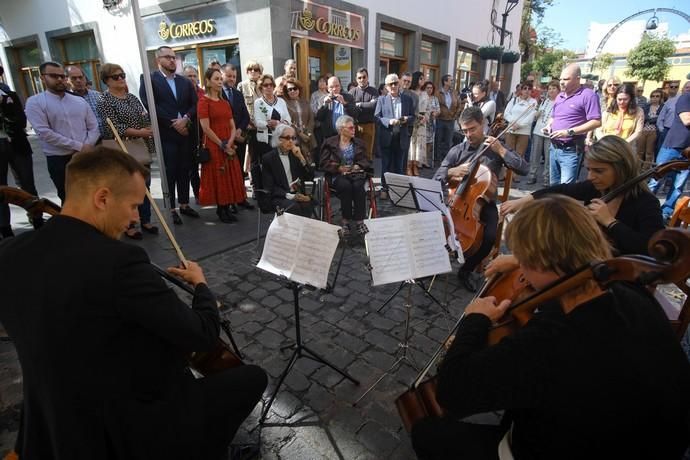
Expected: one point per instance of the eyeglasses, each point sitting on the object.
(292, 88)
(361, 77)
(254, 69)
(167, 56)
(118, 76)
(57, 76)
(525, 87)
(291, 138)
(655, 95)
(349, 127)
(673, 86)
(613, 84)
(267, 85)
(76, 77)
(393, 83)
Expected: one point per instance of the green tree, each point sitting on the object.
(602, 62)
(532, 15)
(648, 60)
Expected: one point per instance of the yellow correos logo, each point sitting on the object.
(189, 29)
(321, 25)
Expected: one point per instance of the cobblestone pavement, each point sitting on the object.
(313, 416)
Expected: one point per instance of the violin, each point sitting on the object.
(221, 357)
(466, 201)
(670, 263)
(657, 172)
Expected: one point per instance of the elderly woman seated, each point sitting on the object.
(284, 171)
(344, 160)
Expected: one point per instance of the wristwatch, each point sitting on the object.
(571, 132)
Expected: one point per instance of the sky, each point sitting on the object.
(571, 18)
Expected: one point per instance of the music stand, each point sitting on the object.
(300, 351)
(381, 276)
(274, 265)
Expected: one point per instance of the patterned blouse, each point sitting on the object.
(124, 113)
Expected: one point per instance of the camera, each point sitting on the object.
(334, 97)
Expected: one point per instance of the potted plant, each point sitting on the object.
(490, 52)
(510, 57)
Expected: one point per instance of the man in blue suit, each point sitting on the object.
(239, 108)
(395, 115)
(175, 99)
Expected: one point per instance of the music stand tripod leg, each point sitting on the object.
(404, 345)
(392, 296)
(297, 354)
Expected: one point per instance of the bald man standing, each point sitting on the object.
(575, 112)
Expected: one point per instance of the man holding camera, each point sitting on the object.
(335, 105)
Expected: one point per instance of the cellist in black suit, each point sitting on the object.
(104, 343)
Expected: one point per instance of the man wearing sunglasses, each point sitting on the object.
(78, 83)
(65, 123)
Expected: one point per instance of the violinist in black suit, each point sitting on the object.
(104, 343)
(285, 170)
(175, 99)
(596, 373)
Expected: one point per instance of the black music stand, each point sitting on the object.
(300, 351)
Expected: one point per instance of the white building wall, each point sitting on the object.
(465, 20)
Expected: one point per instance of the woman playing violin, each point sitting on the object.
(593, 374)
(629, 219)
(457, 165)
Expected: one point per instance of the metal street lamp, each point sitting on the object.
(510, 6)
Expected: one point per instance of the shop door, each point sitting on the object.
(31, 80)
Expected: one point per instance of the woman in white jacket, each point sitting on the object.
(269, 111)
(517, 138)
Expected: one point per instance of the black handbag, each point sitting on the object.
(202, 153)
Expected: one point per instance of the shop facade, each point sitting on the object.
(325, 37)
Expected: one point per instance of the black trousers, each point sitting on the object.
(23, 171)
(57, 165)
(229, 397)
(489, 216)
(350, 191)
(177, 155)
(444, 438)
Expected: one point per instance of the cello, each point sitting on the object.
(477, 188)
(670, 262)
(220, 358)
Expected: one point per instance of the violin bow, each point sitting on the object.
(155, 207)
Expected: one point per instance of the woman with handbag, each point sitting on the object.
(133, 124)
(344, 160)
(222, 182)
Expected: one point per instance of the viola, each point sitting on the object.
(657, 172)
(466, 200)
(669, 263)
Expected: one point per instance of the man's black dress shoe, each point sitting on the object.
(177, 220)
(187, 211)
(152, 230)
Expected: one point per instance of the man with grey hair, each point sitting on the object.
(575, 112)
(395, 114)
(334, 105)
(78, 82)
(290, 69)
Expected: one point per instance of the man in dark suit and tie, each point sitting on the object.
(175, 98)
(102, 340)
(395, 115)
(239, 108)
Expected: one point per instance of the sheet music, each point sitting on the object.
(406, 247)
(300, 249)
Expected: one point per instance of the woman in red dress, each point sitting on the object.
(222, 183)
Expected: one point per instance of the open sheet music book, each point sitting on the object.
(423, 195)
(406, 247)
(300, 249)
